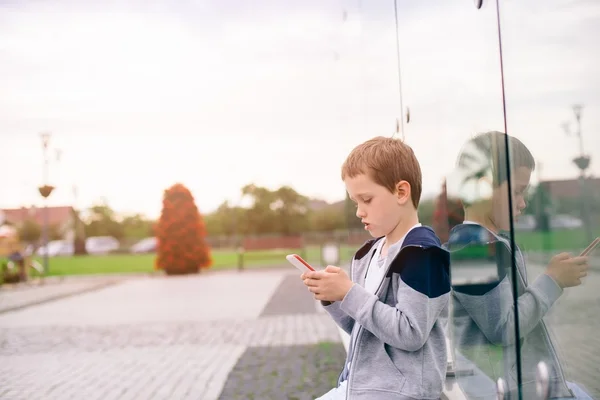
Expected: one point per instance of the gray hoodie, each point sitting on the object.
(399, 348)
(483, 319)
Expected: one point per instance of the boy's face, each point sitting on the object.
(379, 209)
(520, 183)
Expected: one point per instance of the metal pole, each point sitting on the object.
(46, 236)
(45, 139)
(577, 111)
(585, 214)
(582, 162)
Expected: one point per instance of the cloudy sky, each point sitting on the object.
(218, 94)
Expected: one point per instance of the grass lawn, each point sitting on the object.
(566, 239)
(144, 263)
(228, 259)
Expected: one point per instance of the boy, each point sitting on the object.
(484, 315)
(393, 303)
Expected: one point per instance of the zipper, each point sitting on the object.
(360, 329)
(356, 339)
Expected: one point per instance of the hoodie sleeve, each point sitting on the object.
(340, 317)
(494, 310)
(423, 292)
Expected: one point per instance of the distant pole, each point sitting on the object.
(237, 237)
(45, 190)
(543, 217)
(582, 162)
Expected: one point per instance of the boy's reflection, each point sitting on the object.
(483, 321)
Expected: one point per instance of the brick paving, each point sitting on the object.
(17, 297)
(213, 336)
(574, 323)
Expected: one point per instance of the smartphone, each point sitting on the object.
(588, 250)
(299, 263)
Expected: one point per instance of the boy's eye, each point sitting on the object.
(367, 201)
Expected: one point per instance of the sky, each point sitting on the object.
(218, 94)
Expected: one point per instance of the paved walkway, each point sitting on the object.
(16, 297)
(574, 323)
(256, 334)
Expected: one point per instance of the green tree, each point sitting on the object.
(30, 231)
(540, 205)
(352, 221)
(290, 211)
(136, 226)
(103, 222)
(327, 219)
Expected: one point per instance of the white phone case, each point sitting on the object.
(297, 262)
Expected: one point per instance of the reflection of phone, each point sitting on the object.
(299, 263)
(588, 250)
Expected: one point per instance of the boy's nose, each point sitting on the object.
(360, 213)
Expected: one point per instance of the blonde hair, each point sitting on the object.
(387, 161)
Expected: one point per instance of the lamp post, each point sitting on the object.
(45, 190)
(238, 238)
(582, 161)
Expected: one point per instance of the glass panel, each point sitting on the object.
(483, 327)
(553, 106)
(452, 87)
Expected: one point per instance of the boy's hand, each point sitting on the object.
(567, 271)
(331, 284)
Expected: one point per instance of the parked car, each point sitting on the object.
(565, 221)
(57, 248)
(101, 244)
(147, 245)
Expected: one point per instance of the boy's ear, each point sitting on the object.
(403, 192)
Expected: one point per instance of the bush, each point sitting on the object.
(180, 233)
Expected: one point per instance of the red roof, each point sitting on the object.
(56, 215)
(571, 188)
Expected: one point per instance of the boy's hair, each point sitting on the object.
(387, 161)
(486, 152)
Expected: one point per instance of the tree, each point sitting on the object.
(328, 219)
(258, 218)
(283, 211)
(290, 210)
(475, 163)
(540, 205)
(352, 221)
(30, 231)
(136, 226)
(182, 248)
(79, 234)
(448, 213)
(103, 222)
(224, 220)
(426, 211)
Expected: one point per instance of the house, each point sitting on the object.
(571, 188)
(61, 218)
(567, 198)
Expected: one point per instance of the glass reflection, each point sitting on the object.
(495, 303)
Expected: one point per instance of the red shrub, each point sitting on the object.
(182, 248)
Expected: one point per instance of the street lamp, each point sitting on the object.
(582, 161)
(45, 190)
